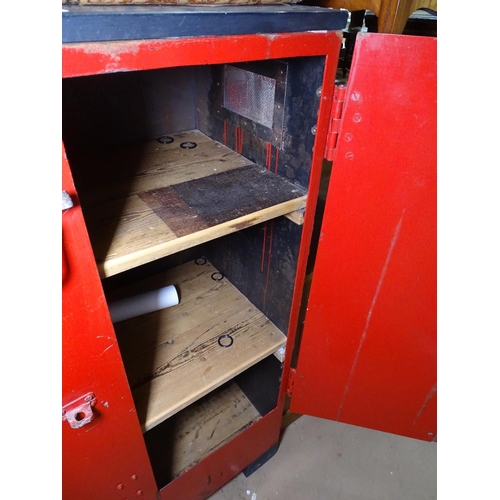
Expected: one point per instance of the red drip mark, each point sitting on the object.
(268, 263)
(268, 156)
(225, 133)
(276, 162)
(263, 248)
(238, 140)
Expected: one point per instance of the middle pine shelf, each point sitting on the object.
(177, 355)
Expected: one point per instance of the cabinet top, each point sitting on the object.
(108, 23)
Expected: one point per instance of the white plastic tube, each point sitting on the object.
(143, 303)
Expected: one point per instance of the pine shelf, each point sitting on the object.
(149, 200)
(173, 357)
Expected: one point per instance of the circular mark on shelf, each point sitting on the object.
(225, 340)
(188, 145)
(200, 261)
(166, 139)
(217, 276)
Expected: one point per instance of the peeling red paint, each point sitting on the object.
(81, 59)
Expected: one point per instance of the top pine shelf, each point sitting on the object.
(149, 200)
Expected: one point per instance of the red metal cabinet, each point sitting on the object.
(367, 353)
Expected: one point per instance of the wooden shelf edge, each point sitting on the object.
(194, 397)
(120, 264)
(297, 217)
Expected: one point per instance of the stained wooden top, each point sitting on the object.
(90, 23)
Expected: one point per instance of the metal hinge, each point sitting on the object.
(291, 381)
(334, 124)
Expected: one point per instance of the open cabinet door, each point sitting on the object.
(368, 350)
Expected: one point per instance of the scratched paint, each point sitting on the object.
(372, 306)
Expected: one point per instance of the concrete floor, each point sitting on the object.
(322, 460)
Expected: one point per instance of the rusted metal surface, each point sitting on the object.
(368, 351)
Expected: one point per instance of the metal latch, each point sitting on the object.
(79, 412)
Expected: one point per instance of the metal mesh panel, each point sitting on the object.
(249, 94)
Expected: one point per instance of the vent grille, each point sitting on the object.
(249, 94)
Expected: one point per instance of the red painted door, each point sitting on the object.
(104, 455)
(368, 350)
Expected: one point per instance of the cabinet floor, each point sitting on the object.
(323, 460)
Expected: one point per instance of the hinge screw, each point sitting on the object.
(356, 96)
(120, 487)
(139, 493)
(134, 477)
(313, 130)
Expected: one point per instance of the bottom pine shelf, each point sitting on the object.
(173, 356)
(195, 432)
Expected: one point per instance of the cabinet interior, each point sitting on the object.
(197, 177)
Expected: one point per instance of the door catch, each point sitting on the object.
(79, 412)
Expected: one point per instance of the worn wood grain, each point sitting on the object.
(172, 357)
(152, 200)
(208, 424)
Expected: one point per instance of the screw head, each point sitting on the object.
(119, 487)
(134, 477)
(356, 117)
(139, 493)
(356, 96)
(349, 156)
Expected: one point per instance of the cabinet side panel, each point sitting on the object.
(125, 107)
(368, 352)
(109, 450)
